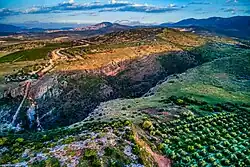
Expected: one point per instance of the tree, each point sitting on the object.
(218, 155)
(203, 152)
(190, 148)
(211, 159)
(147, 125)
(52, 162)
(225, 162)
(3, 141)
(196, 155)
(202, 163)
(212, 148)
(233, 158)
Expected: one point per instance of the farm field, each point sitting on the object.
(31, 54)
(220, 138)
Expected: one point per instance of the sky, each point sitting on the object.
(121, 11)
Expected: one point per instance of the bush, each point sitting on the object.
(225, 162)
(19, 140)
(212, 149)
(218, 155)
(190, 148)
(90, 157)
(127, 123)
(147, 125)
(3, 141)
(52, 162)
(202, 163)
(211, 159)
(136, 150)
(162, 147)
(179, 102)
(109, 151)
(88, 154)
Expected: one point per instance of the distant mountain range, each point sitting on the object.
(238, 26)
(103, 26)
(9, 28)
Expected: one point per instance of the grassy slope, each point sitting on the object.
(2, 54)
(130, 50)
(32, 54)
(221, 80)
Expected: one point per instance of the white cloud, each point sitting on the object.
(71, 1)
(172, 5)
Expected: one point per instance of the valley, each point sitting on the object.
(133, 97)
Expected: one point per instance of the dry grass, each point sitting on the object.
(3, 54)
(172, 41)
(182, 39)
(11, 68)
(98, 60)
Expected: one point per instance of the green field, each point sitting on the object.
(32, 54)
(2, 54)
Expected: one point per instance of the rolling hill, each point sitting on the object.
(238, 26)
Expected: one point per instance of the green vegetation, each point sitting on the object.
(147, 125)
(227, 133)
(90, 158)
(32, 54)
(197, 118)
(220, 138)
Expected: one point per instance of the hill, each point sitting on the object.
(104, 26)
(238, 26)
(138, 97)
(9, 28)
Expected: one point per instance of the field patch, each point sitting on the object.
(31, 54)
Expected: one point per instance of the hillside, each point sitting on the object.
(9, 28)
(238, 26)
(137, 97)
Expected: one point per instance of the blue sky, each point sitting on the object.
(94, 11)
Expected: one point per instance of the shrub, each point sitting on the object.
(225, 162)
(147, 125)
(218, 155)
(3, 141)
(136, 149)
(167, 141)
(90, 156)
(127, 123)
(191, 148)
(212, 148)
(162, 147)
(233, 158)
(109, 151)
(52, 162)
(202, 163)
(19, 140)
(38, 164)
(179, 102)
(211, 159)
(196, 155)
(187, 160)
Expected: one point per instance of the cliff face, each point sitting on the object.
(63, 98)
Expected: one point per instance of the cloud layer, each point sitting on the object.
(121, 6)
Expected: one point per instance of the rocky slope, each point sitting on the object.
(125, 113)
